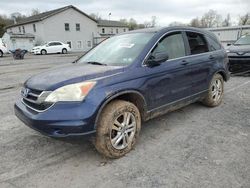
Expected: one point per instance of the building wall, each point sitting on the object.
(230, 35)
(28, 28)
(111, 30)
(17, 42)
(54, 29)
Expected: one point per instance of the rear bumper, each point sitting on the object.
(56, 121)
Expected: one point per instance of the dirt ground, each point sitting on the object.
(192, 147)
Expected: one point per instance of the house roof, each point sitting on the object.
(45, 15)
(111, 23)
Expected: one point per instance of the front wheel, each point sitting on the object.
(118, 128)
(215, 92)
(1, 53)
(43, 52)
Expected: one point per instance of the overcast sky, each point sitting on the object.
(166, 11)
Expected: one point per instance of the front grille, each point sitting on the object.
(34, 99)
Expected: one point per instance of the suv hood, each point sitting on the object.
(74, 73)
(239, 48)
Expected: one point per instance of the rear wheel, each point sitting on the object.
(43, 52)
(216, 91)
(1, 53)
(64, 51)
(118, 129)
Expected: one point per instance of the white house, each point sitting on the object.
(68, 24)
(110, 27)
(228, 35)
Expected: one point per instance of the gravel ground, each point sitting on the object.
(192, 147)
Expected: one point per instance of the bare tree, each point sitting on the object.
(211, 19)
(147, 24)
(96, 16)
(176, 24)
(245, 19)
(227, 21)
(153, 21)
(35, 12)
(195, 22)
(132, 24)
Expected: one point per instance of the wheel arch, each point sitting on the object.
(132, 96)
(223, 74)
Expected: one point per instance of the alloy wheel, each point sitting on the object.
(217, 88)
(123, 130)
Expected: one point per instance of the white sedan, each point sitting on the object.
(3, 48)
(51, 48)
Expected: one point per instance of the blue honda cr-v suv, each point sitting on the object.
(128, 78)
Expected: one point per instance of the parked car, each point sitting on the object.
(127, 79)
(3, 48)
(51, 48)
(239, 55)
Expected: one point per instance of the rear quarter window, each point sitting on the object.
(213, 44)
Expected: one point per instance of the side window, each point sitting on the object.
(213, 44)
(57, 43)
(173, 45)
(197, 43)
(51, 44)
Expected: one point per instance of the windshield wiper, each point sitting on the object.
(96, 63)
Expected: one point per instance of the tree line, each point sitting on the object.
(208, 20)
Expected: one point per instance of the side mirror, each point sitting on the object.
(157, 58)
(229, 44)
(47, 45)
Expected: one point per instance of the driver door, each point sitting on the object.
(169, 81)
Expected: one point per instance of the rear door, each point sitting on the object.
(169, 82)
(200, 61)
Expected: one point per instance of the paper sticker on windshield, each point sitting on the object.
(126, 45)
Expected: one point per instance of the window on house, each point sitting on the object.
(112, 31)
(103, 30)
(34, 27)
(19, 29)
(117, 31)
(78, 28)
(124, 29)
(79, 44)
(89, 44)
(23, 29)
(66, 25)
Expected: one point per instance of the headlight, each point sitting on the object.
(73, 92)
(227, 51)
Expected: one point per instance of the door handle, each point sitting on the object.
(211, 57)
(184, 62)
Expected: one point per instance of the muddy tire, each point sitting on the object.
(215, 92)
(118, 128)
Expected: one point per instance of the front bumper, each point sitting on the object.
(61, 120)
(36, 51)
(239, 64)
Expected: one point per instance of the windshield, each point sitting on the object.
(118, 50)
(245, 40)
